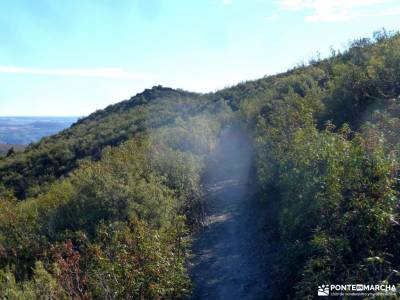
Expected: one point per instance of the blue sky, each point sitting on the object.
(73, 57)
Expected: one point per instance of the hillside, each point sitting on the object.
(57, 155)
(106, 208)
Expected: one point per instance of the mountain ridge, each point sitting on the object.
(151, 108)
(107, 208)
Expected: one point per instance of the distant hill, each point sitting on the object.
(25, 130)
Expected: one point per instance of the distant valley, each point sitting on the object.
(25, 130)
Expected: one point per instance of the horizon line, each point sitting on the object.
(41, 116)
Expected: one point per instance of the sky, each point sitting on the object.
(70, 58)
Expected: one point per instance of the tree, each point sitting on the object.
(10, 152)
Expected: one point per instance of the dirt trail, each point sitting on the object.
(230, 254)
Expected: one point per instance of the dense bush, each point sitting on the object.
(113, 229)
(335, 186)
(104, 209)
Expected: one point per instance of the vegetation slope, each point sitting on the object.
(105, 208)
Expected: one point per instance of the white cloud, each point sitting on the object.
(272, 17)
(387, 12)
(226, 2)
(101, 72)
(339, 10)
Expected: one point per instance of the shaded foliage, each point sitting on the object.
(105, 208)
(117, 228)
(329, 151)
